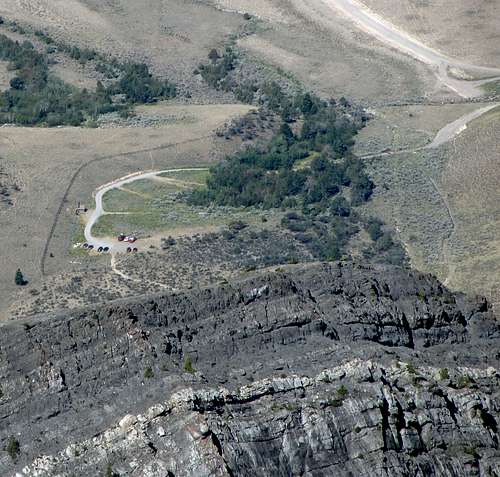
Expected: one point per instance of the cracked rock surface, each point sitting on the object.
(317, 370)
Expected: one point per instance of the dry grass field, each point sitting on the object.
(406, 127)
(465, 30)
(445, 203)
(45, 161)
(471, 183)
(171, 36)
(328, 55)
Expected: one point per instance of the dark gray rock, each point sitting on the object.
(335, 369)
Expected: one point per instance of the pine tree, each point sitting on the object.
(19, 280)
(13, 447)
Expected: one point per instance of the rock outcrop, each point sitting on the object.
(317, 370)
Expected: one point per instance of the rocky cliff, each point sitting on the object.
(321, 370)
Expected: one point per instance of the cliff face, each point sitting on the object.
(318, 370)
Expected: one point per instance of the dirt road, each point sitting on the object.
(446, 69)
(444, 135)
(453, 129)
(112, 243)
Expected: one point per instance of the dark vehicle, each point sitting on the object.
(121, 238)
(106, 249)
(85, 245)
(129, 249)
(100, 249)
(90, 247)
(134, 249)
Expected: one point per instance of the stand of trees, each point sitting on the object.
(310, 172)
(37, 97)
(272, 176)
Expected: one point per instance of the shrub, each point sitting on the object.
(464, 381)
(237, 225)
(444, 374)
(342, 392)
(36, 97)
(13, 447)
(148, 373)
(188, 365)
(109, 472)
(411, 369)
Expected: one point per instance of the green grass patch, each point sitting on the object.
(77, 236)
(306, 162)
(193, 176)
(117, 200)
(169, 215)
(492, 88)
(152, 188)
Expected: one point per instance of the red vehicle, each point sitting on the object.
(130, 239)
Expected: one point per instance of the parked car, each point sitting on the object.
(121, 237)
(100, 249)
(85, 245)
(134, 249)
(129, 249)
(90, 247)
(130, 239)
(106, 249)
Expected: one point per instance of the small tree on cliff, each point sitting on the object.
(19, 280)
(12, 447)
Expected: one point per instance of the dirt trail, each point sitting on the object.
(444, 135)
(441, 64)
(453, 129)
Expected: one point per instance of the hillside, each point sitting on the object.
(249, 238)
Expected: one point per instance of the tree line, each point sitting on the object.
(37, 97)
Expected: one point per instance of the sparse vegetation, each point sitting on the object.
(464, 381)
(148, 373)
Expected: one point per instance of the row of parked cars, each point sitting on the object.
(121, 238)
(89, 246)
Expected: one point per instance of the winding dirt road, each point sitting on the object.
(113, 244)
(444, 135)
(442, 65)
(452, 130)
